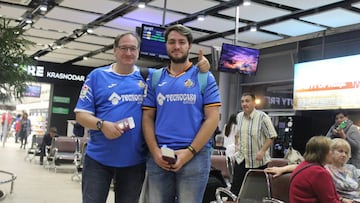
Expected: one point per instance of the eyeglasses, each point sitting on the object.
(126, 49)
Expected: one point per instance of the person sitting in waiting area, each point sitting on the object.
(346, 129)
(47, 142)
(345, 176)
(78, 129)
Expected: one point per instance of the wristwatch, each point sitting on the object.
(99, 124)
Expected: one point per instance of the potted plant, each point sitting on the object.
(13, 62)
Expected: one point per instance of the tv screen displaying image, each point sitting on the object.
(234, 58)
(327, 84)
(32, 91)
(153, 42)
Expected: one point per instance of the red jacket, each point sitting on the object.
(312, 185)
(17, 125)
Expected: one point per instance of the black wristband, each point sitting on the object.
(192, 150)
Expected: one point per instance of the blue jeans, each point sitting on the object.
(96, 180)
(185, 186)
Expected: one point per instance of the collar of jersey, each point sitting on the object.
(181, 73)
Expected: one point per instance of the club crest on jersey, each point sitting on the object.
(114, 98)
(84, 91)
(189, 83)
(141, 84)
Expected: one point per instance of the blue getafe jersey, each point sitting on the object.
(180, 106)
(112, 97)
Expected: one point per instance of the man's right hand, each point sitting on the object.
(111, 130)
(157, 156)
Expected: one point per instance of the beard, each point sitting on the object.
(181, 59)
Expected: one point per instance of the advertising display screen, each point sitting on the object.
(327, 84)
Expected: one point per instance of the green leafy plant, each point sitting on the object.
(13, 62)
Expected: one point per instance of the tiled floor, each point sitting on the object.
(34, 183)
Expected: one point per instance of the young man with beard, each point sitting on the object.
(179, 115)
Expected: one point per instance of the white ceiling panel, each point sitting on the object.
(71, 15)
(197, 34)
(52, 59)
(124, 24)
(56, 25)
(195, 48)
(105, 56)
(13, 23)
(305, 4)
(95, 40)
(356, 5)
(214, 24)
(33, 49)
(279, 22)
(255, 37)
(256, 12)
(93, 62)
(39, 41)
(217, 42)
(13, 12)
(184, 5)
(153, 15)
(293, 27)
(110, 32)
(334, 18)
(60, 56)
(82, 46)
(96, 6)
(74, 52)
(20, 2)
(110, 51)
(150, 63)
(45, 33)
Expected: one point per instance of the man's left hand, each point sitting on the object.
(203, 63)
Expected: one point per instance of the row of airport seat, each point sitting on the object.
(258, 186)
(62, 151)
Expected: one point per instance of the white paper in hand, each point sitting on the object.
(126, 123)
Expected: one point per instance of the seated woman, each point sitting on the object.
(310, 181)
(346, 176)
(319, 151)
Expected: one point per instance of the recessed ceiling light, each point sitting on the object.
(89, 30)
(43, 8)
(246, 3)
(253, 28)
(28, 21)
(141, 5)
(201, 17)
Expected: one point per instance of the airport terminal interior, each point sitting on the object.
(288, 46)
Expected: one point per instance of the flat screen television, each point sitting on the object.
(153, 42)
(238, 59)
(327, 84)
(32, 91)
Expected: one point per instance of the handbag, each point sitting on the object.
(216, 173)
(215, 181)
(293, 156)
